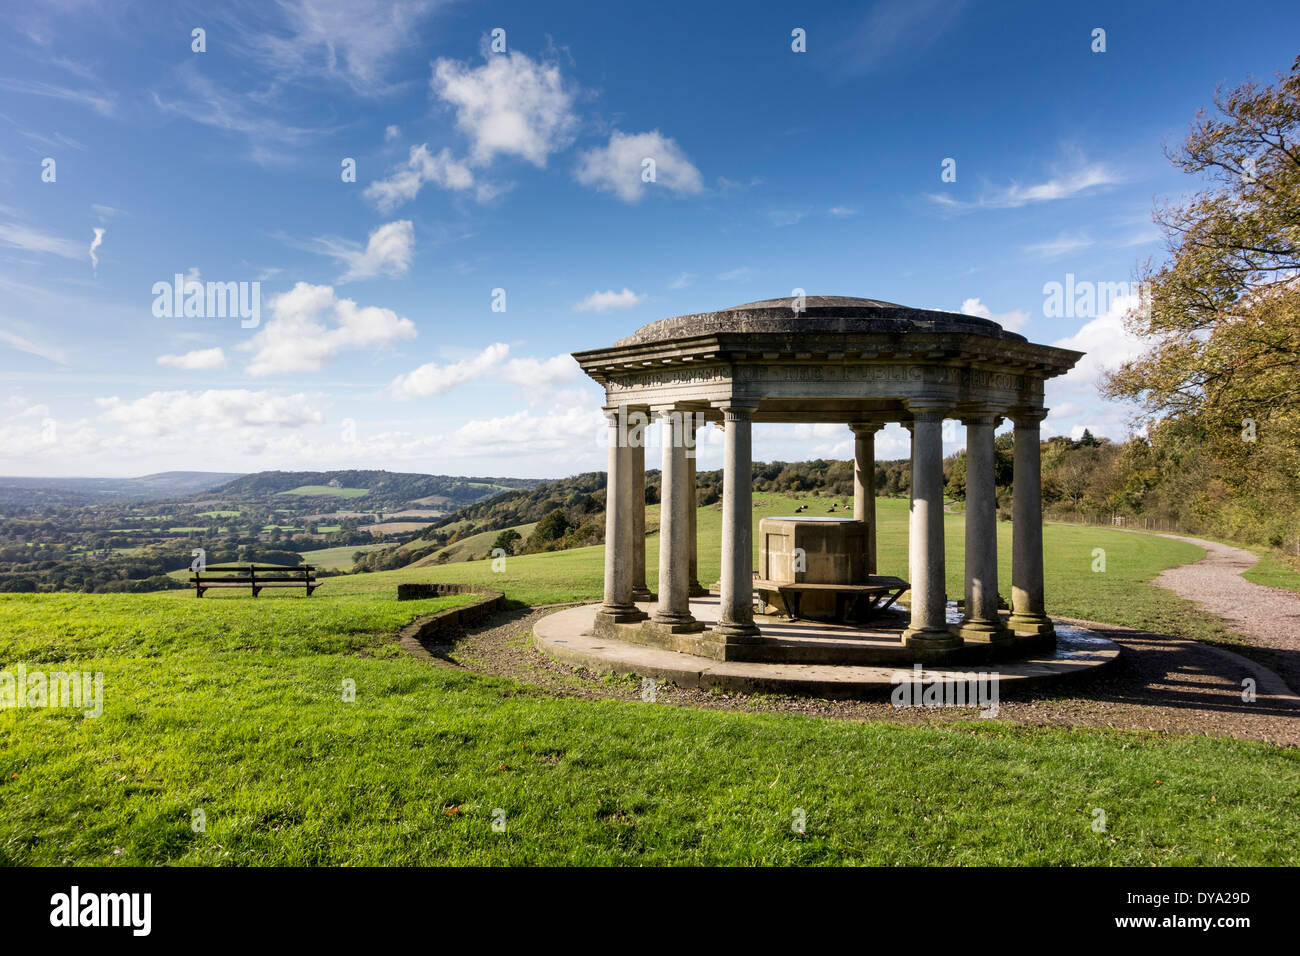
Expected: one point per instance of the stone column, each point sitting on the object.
(693, 578)
(927, 628)
(736, 624)
(636, 438)
(617, 606)
(1028, 613)
(980, 621)
(673, 609)
(864, 484)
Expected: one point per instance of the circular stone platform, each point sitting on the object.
(568, 637)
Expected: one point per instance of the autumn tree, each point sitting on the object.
(1222, 314)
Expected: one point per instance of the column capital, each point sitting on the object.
(926, 410)
(1027, 417)
(866, 429)
(736, 411)
(982, 415)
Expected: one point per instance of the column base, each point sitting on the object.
(984, 632)
(723, 641)
(610, 615)
(1038, 624)
(697, 589)
(644, 596)
(931, 638)
(675, 625)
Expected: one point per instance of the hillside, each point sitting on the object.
(18, 492)
(366, 490)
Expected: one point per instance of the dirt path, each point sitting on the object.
(1269, 617)
(1160, 683)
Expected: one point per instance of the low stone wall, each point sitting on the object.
(424, 628)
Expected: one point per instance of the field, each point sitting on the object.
(233, 707)
(327, 490)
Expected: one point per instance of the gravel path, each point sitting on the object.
(1269, 617)
(1160, 683)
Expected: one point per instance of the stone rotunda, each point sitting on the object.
(823, 359)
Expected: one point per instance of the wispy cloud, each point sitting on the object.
(354, 42)
(268, 135)
(683, 280)
(893, 29)
(736, 275)
(23, 343)
(1068, 185)
(33, 240)
(93, 99)
(1060, 246)
(95, 243)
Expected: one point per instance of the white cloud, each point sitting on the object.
(442, 169)
(1075, 182)
(434, 379)
(309, 326)
(609, 299)
(511, 106)
(1073, 398)
(103, 105)
(736, 275)
(51, 353)
(536, 376)
(197, 360)
(24, 237)
(683, 280)
(387, 252)
(1060, 246)
(95, 243)
(1012, 321)
(391, 133)
(618, 166)
(842, 212)
(353, 41)
(214, 410)
(271, 138)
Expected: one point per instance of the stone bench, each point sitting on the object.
(880, 593)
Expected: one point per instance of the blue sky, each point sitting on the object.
(377, 344)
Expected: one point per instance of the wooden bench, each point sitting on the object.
(255, 576)
(879, 592)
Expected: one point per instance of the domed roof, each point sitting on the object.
(821, 314)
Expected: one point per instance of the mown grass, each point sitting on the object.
(1275, 571)
(234, 707)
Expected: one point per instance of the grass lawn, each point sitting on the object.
(235, 707)
(336, 558)
(1275, 571)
